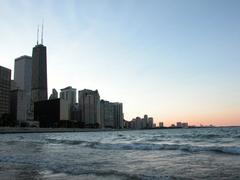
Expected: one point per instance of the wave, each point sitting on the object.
(201, 136)
(102, 174)
(235, 150)
(237, 136)
(193, 137)
(64, 141)
(186, 147)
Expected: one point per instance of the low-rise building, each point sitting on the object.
(52, 113)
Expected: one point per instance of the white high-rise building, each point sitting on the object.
(23, 73)
(23, 82)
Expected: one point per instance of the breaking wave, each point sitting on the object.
(235, 150)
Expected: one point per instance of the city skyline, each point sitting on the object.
(170, 73)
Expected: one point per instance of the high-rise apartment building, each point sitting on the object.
(118, 115)
(23, 73)
(107, 114)
(5, 85)
(89, 105)
(69, 94)
(21, 93)
(111, 114)
(145, 121)
(150, 122)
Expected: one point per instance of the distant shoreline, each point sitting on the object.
(14, 130)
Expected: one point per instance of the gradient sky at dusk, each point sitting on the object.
(175, 60)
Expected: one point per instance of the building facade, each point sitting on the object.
(5, 85)
(18, 106)
(76, 115)
(89, 106)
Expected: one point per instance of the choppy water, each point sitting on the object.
(147, 154)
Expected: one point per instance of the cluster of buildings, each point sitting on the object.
(141, 123)
(180, 125)
(24, 100)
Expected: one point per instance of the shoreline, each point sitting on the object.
(14, 130)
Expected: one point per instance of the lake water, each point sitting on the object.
(206, 153)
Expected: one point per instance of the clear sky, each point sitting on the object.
(175, 60)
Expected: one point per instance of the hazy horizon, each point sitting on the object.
(173, 60)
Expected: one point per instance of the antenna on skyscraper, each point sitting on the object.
(42, 34)
(37, 34)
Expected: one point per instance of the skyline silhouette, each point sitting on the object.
(175, 61)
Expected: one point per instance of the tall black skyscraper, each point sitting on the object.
(39, 72)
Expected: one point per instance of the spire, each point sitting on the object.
(42, 34)
(37, 33)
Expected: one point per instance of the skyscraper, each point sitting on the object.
(111, 114)
(89, 104)
(5, 85)
(39, 73)
(118, 115)
(21, 94)
(69, 94)
(107, 114)
(23, 73)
